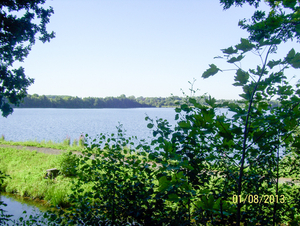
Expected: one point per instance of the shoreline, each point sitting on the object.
(27, 166)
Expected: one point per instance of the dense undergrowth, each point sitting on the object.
(169, 189)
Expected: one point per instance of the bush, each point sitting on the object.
(68, 164)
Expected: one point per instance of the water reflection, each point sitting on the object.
(17, 205)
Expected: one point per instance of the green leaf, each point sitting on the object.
(289, 57)
(207, 203)
(289, 3)
(245, 45)
(160, 140)
(213, 69)
(150, 125)
(211, 101)
(184, 124)
(216, 205)
(273, 63)
(184, 106)
(192, 101)
(297, 28)
(241, 78)
(295, 62)
(296, 144)
(229, 50)
(155, 133)
(235, 59)
(177, 110)
(173, 197)
(204, 191)
(163, 183)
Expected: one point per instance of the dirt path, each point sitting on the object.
(52, 151)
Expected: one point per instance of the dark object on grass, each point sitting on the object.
(51, 173)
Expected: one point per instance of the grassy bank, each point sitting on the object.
(26, 175)
(26, 171)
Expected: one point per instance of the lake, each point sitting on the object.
(57, 124)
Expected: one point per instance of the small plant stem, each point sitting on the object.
(245, 139)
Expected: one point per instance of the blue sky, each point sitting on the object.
(135, 47)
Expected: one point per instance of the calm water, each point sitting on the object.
(56, 124)
(17, 205)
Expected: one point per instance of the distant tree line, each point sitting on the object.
(51, 101)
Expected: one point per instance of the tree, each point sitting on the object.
(15, 32)
(263, 134)
(241, 155)
(281, 24)
(17, 36)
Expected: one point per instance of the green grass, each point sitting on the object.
(27, 169)
(26, 172)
